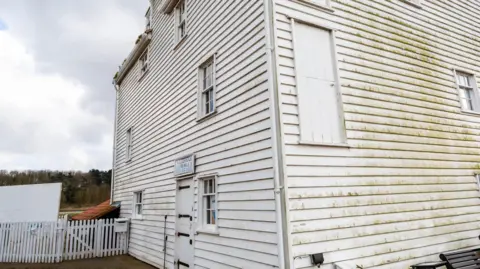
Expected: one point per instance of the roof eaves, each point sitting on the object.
(144, 40)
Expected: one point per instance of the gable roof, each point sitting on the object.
(96, 211)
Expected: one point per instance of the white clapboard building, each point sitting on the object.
(261, 133)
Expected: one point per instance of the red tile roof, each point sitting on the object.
(96, 211)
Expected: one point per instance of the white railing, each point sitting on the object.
(50, 242)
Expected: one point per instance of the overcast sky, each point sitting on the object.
(57, 60)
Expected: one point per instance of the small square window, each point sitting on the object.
(143, 63)
(468, 92)
(207, 87)
(138, 204)
(209, 202)
(180, 21)
(129, 140)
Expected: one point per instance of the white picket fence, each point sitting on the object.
(51, 242)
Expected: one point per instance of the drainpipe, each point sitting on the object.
(280, 201)
(112, 183)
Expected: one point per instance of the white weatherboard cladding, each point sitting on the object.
(30, 203)
(235, 143)
(405, 189)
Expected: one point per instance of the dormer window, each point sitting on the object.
(148, 19)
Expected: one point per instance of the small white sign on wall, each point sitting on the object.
(184, 166)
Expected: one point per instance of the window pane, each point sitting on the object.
(213, 207)
(466, 99)
(138, 209)
(209, 201)
(465, 103)
(207, 101)
(464, 80)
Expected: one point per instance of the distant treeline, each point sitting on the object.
(79, 189)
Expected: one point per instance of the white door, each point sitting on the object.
(184, 224)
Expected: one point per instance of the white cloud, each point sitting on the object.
(115, 31)
(42, 121)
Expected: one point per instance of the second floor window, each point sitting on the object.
(180, 21)
(206, 96)
(469, 98)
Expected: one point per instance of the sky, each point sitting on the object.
(57, 60)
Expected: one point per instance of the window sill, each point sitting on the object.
(316, 5)
(335, 145)
(470, 112)
(180, 42)
(143, 75)
(208, 116)
(203, 230)
(412, 3)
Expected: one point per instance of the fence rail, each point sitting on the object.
(52, 242)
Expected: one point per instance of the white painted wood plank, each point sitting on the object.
(166, 121)
(395, 83)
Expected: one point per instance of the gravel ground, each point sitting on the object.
(117, 262)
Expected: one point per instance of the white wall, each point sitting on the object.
(235, 143)
(30, 203)
(405, 189)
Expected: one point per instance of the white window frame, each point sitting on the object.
(205, 91)
(203, 225)
(143, 64)
(179, 21)
(136, 204)
(471, 91)
(128, 144)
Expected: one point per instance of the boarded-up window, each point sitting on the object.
(321, 120)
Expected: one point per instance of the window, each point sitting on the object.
(138, 204)
(128, 153)
(207, 88)
(148, 19)
(209, 202)
(180, 21)
(319, 100)
(467, 90)
(143, 63)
